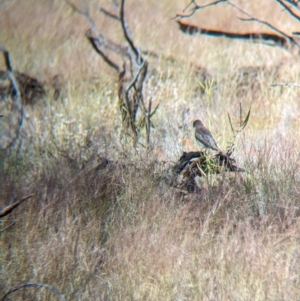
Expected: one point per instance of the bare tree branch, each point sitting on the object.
(132, 72)
(51, 288)
(12, 224)
(288, 9)
(109, 14)
(85, 12)
(251, 18)
(95, 44)
(197, 7)
(293, 3)
(127, 34)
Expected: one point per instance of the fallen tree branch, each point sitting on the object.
(267, 38)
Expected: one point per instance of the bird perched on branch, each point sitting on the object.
(204, 137)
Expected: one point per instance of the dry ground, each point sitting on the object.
(122, 233)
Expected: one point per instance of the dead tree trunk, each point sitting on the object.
(132, 73)
(13, 121)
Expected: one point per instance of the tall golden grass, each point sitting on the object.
(122, 233)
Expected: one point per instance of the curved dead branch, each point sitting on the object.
(197, 7)
(51, 288)
(251, 18)
(127, 34)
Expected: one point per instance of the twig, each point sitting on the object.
(96, 47)
(51, 288)
(251, 18)
(288, 9)
(8, 209)
(293, 3)
(197, 7)
(85, 12)
(13, 223)
(109, 14)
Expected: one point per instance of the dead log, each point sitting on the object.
(197, 164)
(266, 38)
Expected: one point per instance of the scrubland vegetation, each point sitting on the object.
(120, 232)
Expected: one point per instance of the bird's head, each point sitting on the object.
(197, 123)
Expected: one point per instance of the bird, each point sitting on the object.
(204, 137)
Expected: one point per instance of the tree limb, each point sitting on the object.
(288, 9)
(251, 18)
(51, 288)
(293, 3)
(197, 7)
(127, 35)
(109, 14)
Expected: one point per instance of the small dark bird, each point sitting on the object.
(204, 137)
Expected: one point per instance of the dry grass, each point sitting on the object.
(122, 233)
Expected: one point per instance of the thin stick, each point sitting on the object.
(8, 209)
(288, 9)
(197, 7)
(251, 18)
(51, 288)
